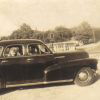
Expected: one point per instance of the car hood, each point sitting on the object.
(72, 55)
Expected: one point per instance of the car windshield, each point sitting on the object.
(1, 50)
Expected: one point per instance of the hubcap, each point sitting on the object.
(83, 76)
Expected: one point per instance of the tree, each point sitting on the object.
(62, 34)
(83, 32)
(23, 32)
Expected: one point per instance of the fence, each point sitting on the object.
(95, 55)
(62, 46)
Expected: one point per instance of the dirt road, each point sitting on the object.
(61, 92)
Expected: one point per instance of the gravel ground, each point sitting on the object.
(66, 92)
(61, 92)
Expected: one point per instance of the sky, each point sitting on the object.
(47, 14)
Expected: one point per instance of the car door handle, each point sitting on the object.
(4, 61)
(29, 59)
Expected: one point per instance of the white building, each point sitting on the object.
(63, 46)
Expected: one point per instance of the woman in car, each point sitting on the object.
(14, 51)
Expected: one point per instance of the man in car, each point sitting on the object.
(33, 50)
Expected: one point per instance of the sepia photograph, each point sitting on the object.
(49, 49)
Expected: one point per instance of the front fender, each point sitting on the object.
(68, 69)
(53, 72)
(52, 68)
(83, 63)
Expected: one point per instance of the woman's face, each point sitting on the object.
(13, 51)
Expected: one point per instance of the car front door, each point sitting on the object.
(38, 58)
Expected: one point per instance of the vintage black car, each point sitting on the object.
(30, 62)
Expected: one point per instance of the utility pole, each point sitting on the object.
(94, 39)
(52, 40)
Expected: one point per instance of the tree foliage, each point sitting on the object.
(62, 34)
(83, 33)
(23, 32)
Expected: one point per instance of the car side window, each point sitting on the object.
(13, 50)
(35, 49)
(43, 49)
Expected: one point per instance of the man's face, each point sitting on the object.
(30, 49)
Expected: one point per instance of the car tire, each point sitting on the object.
(85, 77)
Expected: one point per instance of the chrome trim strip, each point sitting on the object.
(60, 57)
(77, 59)
(39, 83)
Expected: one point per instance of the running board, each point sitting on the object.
(38, 83)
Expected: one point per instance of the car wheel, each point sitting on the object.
(84, 77)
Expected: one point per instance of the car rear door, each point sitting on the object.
(12, 66)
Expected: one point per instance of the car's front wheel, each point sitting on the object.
(84, 77)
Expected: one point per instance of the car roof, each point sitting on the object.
(19, 41)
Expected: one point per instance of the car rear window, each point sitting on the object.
(13, 50)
